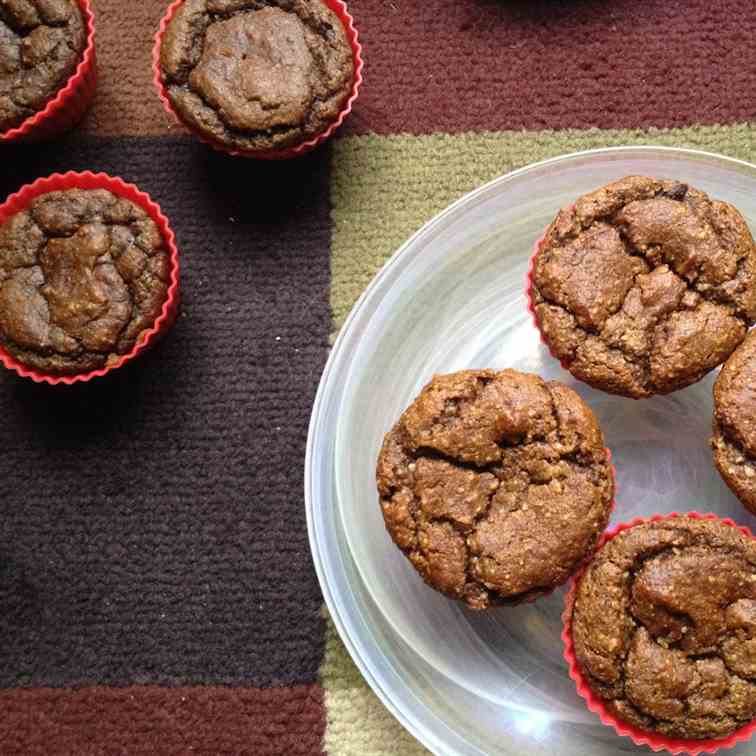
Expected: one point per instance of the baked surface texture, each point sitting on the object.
(257, 74)
(734, 440)
(495, 485)
(664, 627)
(645, 285)
(41, 43)
(82, 274)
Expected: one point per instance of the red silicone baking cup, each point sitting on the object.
(597, 705)
(340, 9)
(19, 201)
(67, 108)
(584, 563)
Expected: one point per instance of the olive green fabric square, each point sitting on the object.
(384, 188)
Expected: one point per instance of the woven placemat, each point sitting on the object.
(156, 588)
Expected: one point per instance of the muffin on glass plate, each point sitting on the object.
(644, 285)
(495, 485)
(660, 632)
(734, 440)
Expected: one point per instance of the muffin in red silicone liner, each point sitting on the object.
(660, 632)
(89, 277)
(267, 79)
(644, 285)
(51, 92)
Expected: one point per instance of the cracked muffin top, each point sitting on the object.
(257, 74)
(41, 43)
(664, 627)
(82, 274)
(496, 485)
(734, 440)
(645, 285)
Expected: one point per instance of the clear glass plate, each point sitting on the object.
(453, 297)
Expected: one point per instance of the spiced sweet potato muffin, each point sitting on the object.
(664, 627)
(644, 285)
(41, 44)
(495, 485)
(82, 274)
(257, 75)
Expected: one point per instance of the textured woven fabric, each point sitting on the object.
(156, 589)
(458, 65)
(162, 720)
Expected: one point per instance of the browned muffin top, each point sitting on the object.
(645, 285)
(41, 43)
(82, 274)
(495, 485)
(257, 74)
(664, 627)
(734, 440)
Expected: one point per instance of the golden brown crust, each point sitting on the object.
(495, 485)
(645, 285)
(664, 627)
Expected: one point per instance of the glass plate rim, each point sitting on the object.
(337, 356)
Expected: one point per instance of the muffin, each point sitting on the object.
(83, 274)
(644, 285)
(41, 45)
(495, 485)
(734, 440)
(256, 75)
(663, 628)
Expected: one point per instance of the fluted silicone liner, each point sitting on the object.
(19, 201)
(340, 9)
(597, 705)
(68, 106)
